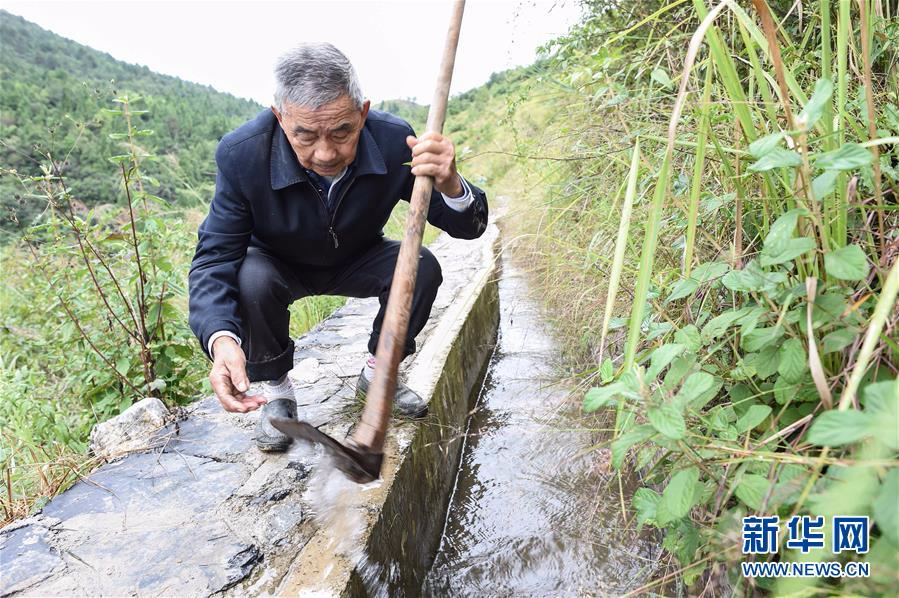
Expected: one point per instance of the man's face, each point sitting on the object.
(324, 139)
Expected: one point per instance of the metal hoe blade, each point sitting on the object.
(356, 463)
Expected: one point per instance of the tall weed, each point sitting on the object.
(760, 370)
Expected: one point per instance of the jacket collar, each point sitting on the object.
(286, 169)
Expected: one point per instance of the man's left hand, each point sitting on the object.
(434, 155)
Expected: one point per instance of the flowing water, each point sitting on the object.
(534, 512)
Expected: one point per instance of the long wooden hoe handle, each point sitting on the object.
(371, 431)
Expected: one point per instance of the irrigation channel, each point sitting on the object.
(533, 511)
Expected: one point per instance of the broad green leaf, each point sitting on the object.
(698, 389)
(881, 400)
(881, 396)
(668, 421)
(766, 361)
(630, 383)
(783, 390)
(824, 184)
(776, 158)
(680, 367)
(660, 76)
(848, 157)
(645, 502)
(790, 482)
(693, 572)
(729, 433)
(688, 336)
(755, 415)
(122, 365)
(749, 322)
(744, 369)
(764, 145)
(838, 340)
(836, 428)
(793, 361)
(661, 357)
(886, 506)
(785, 251)
(708, 271)
(831, 304)
(816, 104)
(682, 288)
(739, 393)
(752, 489)
(891, 113)
(784, 227)
(760, 338)
(846, 263)
(678, 497)
(753, 279)
(606, 370)
(621, 444)
(720, 323)
(601, 396)
(657, 329)
(742, 281)
(718, 420)
(850, 489)
(682, 540)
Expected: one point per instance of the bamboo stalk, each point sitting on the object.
(698, 166)
(620, 246)
(872, 129)
(839, 235)
(651, 236)
(728, 72)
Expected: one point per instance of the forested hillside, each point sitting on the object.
(51, 86)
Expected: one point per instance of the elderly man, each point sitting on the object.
(302, 194)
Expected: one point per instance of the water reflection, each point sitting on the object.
(530, 514)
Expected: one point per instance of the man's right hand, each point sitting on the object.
(229, 377)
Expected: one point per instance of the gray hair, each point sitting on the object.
(314, 74)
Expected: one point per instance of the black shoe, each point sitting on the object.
(269, 439)
(406, 400)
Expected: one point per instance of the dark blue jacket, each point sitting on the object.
(264, 198)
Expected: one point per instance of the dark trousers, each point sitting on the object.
(268, 285)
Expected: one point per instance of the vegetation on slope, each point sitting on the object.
(715, 230)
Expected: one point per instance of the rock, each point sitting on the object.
(130, 430)
(151, 524)
(205, 437)
(27, 558)
(307, 371)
